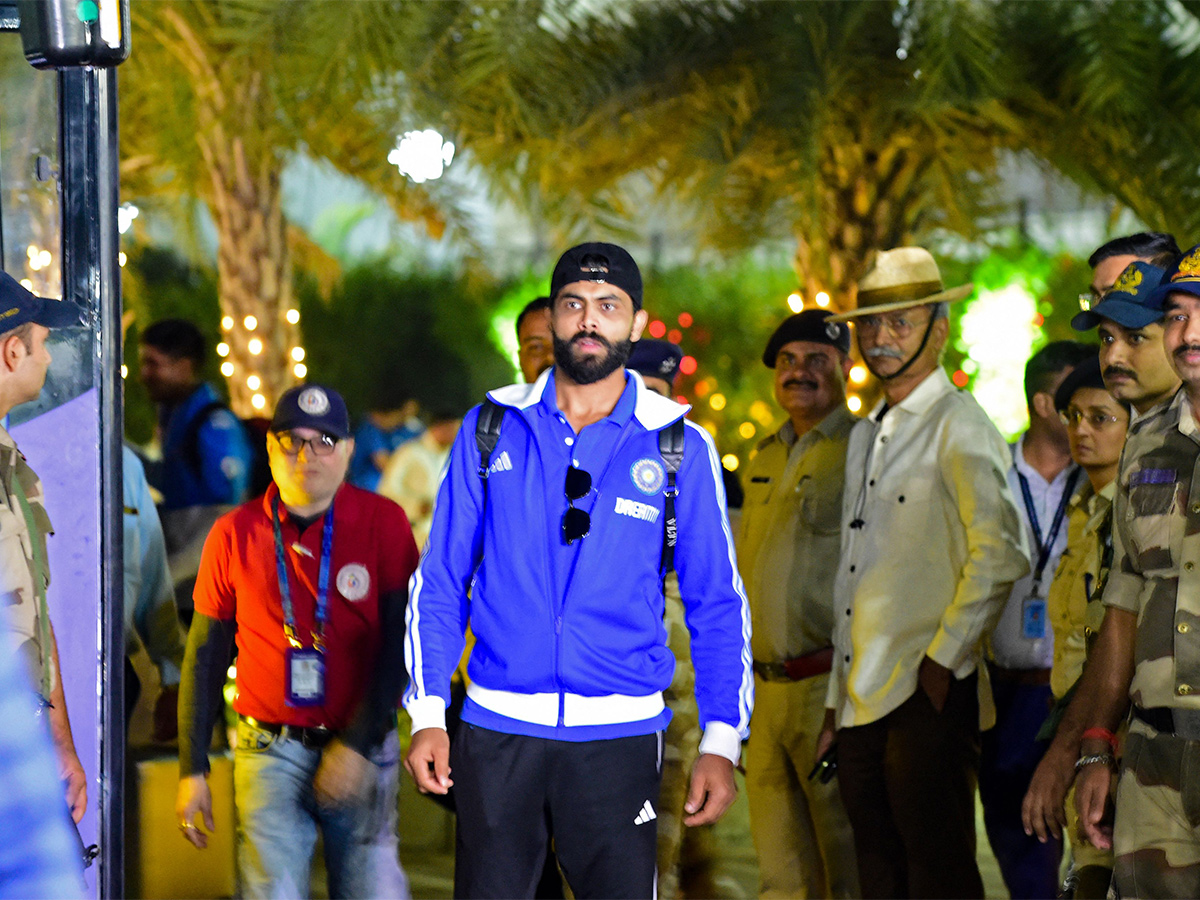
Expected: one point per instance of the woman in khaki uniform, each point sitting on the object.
(1096, 426)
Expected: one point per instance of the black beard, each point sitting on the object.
(590, 369)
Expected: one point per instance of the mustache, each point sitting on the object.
(883, 353)
(591, 336)
(1119, 370)
(801, 382)
(1186, 348)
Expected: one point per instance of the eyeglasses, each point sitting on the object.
(576, 523)
(321, 445)
(898, 324)
(1073, 417)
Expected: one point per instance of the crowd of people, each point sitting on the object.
(906, 611)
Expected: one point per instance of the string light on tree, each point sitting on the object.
(222, 349)
(250, 323)
(227, 323)
(300, 370)
(717, 402)
(858, 374)
(227, 369)
(254, 382)
(747, 430)
(795, 302)
(822, 299)
(657, 329)
(258, 401)
(255, 346)
(853, 403)
(122, 259)
(292, 316)
(298, 354)
(124, 371)
(730, 462)
(685, 320)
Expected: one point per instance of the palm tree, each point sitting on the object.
(217, 98)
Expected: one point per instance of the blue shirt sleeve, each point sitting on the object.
(225, 456)
(714, 599)
(438, 594)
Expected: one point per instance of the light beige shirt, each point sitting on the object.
(789, 537)
(931, 545)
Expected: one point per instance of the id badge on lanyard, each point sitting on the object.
(304, 667)
(1033, 608)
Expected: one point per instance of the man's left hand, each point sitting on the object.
(70, 772)
(343, 776)
(934, 679)
(712, 791)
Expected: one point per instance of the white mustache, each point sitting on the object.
(885, 352)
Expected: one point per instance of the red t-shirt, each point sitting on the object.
(373, 554)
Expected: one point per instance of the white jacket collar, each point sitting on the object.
(652, 410)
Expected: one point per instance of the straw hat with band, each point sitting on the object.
(901, 279)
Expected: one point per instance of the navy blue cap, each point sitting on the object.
(603, 263)
(1184, 276)
(655, 359)
(1084, 375)
(18, 306)
(1132, 302)
(809, 325)
(312, 406)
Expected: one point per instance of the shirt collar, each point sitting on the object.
(342, 511)
(931, 389)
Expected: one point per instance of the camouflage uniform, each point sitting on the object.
(681, 747)
(788, 544)
(1156, 541)
(24, 570)
(1075, 612)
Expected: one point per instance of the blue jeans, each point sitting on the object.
(278, 817)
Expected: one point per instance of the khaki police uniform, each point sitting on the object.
(24, 569)
(787, 549)
(1156, 539)
(1075, 612)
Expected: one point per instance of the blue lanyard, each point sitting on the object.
(285, 588)
(1045, 546)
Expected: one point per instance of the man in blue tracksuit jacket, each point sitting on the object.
(555, 560)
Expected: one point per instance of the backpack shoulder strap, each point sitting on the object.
(487, 433)
(670, 447)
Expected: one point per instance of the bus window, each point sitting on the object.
(30, 233)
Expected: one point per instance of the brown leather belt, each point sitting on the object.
(1025, 677)
(798, 668)
(315, 737)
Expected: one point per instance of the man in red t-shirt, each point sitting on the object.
(313, 578)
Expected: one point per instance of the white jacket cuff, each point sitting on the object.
(427, 712)
(720, 739)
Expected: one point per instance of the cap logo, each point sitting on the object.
(353, 581)
(313, 401)
(1128, 281)
(1189, 267)
(594, 266)
(832, 331)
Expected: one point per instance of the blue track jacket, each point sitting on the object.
(587, 658)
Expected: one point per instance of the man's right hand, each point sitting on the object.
(1092, 789)
(827, 737)
(1042, 809)
(194, 797)
(428, 761)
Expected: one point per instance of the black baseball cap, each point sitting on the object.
(1084, 375)
(656, 359)
(19, 305)
(599, 262)
(312, 406)
(809, 325)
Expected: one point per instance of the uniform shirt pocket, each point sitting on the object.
(1155, 518)
(820, 506)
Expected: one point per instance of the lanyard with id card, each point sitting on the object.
(304, 667)
(1033, 608)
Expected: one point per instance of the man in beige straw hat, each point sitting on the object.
(931, 544)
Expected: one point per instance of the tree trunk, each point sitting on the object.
(254, 275)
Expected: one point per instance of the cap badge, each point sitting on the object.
(667, 366)
(1129, 281)
(313, 401)
(594, 266)
(1189, 267)
(832, 331)
(647, 475)
(353, 581)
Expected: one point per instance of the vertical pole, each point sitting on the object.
(91, 277)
